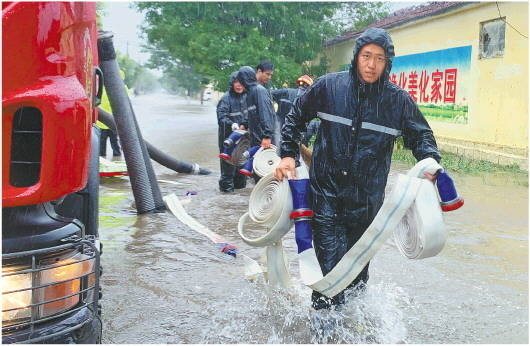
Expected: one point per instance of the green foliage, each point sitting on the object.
(146, 82)
(356, 15)
(182, 80)
(136, 76)
(215, 38)
(100, 13)
(448, 113)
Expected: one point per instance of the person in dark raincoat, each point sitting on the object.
(285, 98)
(362, 113)
(312, 129)
(231, 115)
(260, 110)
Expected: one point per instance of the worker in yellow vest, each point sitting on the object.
(106, 132)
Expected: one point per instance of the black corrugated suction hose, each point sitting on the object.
(142, 187)
(157, 154)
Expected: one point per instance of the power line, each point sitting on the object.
(504, 20)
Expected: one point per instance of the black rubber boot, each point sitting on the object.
(226, 182)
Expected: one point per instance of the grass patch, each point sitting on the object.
(457, 163)
(450, 113)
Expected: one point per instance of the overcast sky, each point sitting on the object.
(124, 22)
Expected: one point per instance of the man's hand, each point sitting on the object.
(430, 176)
(286, 169)
(266, 143)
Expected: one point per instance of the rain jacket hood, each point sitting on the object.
(379, 37)
(247, 76)
(231, 80)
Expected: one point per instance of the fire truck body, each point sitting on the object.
(50, 247)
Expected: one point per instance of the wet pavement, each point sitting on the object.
(164, 283)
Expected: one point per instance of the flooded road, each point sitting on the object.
(164, 283)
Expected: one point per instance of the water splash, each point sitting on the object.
(261, 314)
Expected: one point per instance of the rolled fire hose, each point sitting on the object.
(157, 154)
(412, 211)
(265, 212)
(234, 152)
(265, 161)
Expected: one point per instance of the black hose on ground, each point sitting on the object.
(156, 154)
(125, 125)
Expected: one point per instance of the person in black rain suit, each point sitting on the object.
(259, 106)
(361, 113)
(231, 115)
(260, 110)
(285, 98)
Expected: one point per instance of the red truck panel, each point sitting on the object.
(49, 50)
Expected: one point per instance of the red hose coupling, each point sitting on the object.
(301, 214)
(245, 172)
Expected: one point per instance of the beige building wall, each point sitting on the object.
(497, 128)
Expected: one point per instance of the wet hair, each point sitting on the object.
(265, 66)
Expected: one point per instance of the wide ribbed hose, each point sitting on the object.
(157, 195)
(119, 103)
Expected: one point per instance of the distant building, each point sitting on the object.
(466, 65)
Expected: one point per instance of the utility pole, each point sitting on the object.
(127, 50)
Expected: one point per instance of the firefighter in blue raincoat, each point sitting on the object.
(361, 114)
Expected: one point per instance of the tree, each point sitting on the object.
(137, 76)
(356, 15)
(214, 39)
(183, 80)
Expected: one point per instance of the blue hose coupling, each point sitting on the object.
(249, 155)
(232, 140)
(449, 199)
(247, 167)
(301, 214)
(228, 249)
(230, 143)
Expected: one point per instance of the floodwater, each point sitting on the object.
(165, 283)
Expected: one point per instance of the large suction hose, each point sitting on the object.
(157, 195)
(125, 124)
(156, 154)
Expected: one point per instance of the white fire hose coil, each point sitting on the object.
(265, 161)
(243, 144)
(270, 205)
(411, 211)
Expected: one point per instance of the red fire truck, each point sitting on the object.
(50, 181)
